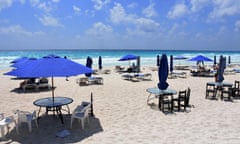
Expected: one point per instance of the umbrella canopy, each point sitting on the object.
(23, 62)
(100, 62)
(128, 57)
(200, 58)
(89, 65)
(163, 73)
(158, 60)
(49, 66)
(171, 63)
(221, 68)
(19, 59)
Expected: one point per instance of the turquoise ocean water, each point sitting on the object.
(110, 57)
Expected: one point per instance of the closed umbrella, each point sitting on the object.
(215, 60)
(163, 73)
(221, 68)
(99, 62)
(49, 66)
(89, 65)
(171, 63)
(158, 60)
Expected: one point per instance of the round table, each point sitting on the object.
(53, 104)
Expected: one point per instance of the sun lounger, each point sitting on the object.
(90, 80)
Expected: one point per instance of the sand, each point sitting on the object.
(122, 114)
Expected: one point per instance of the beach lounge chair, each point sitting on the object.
(81, 112)
(43, 83)
(26, 117)
(28, 84)
(145, 76)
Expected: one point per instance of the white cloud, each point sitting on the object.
(150, 11)
(199, 4)
(118, 15)
(17, 30)
(179, 10)
(55, 1)
(147, 25)
(50, 21)
(99, 4)
(132, 5)
(237, 26)
(34, 3)
(76, 9)
(225, 8)
(5, 4)
(99, 29)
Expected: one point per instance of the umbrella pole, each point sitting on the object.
(52, 90)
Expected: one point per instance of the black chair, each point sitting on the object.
(226, 92)
(211, 91)
(236, 89)
(188, 97)
(181, 100)
(165, 103)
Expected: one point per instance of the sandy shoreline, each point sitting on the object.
(122, 114)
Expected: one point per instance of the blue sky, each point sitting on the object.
(120, 24)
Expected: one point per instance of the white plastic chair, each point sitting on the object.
(81, 113)
(5, 122)
(26, 117)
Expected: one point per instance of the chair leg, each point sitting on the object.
(82, 122)
(30, 126)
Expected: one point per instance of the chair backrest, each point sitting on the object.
(182, 94)
(188, 96)
(237, 84)
(24, 116)
(1, 116)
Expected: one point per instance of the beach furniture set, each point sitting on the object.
(137, 77)
(223, 90)
(170, 99)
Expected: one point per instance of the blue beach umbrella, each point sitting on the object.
(23, 62)
(171, 63)
(163, 73)
(89, 65)
(229, 59)
(128, 57)
(49, 66)
(221, 68)
(200, 58)
(100, 62)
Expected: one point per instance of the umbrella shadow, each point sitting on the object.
(50, 126)
(19, 90)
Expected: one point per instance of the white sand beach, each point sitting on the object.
(122, 114)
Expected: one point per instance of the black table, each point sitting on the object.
(54, 105)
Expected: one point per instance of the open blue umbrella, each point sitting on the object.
(100, 62)
(89, 65)
(163, 73)
(128, 57)
(49, 66)
(200, 58)
(221, 68)
(23, 62)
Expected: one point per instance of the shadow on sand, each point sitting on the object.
(49, 126)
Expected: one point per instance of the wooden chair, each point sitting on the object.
(182, 100)
(226, 92)
(164, 101)
(236, 89)
(211, 91)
